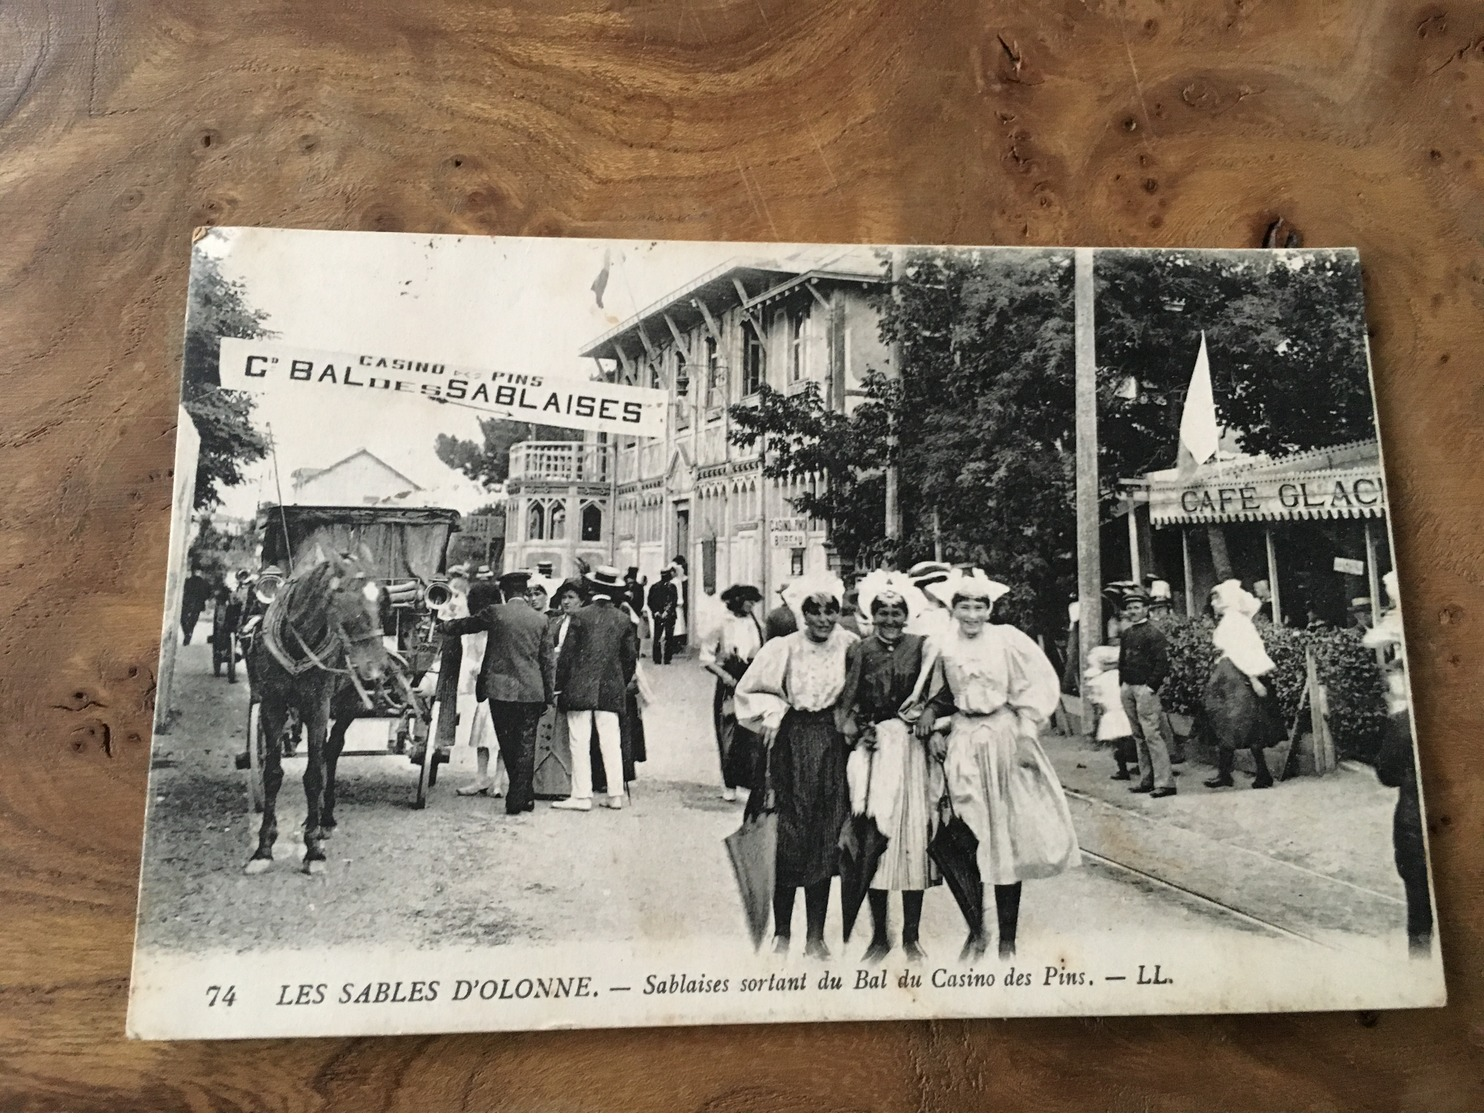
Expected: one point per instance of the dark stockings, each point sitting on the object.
(1007, 910)
(816, 905)
(911, 915)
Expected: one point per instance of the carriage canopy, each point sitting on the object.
(403, 542)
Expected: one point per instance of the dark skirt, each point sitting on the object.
(807, 775)
(553, 769)
(1235, 718)
(736, 746)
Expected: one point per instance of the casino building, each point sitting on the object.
(1312, 524)
(787, 322)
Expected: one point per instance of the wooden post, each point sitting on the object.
(1373, 579)
(1189, 571)
(937, 536)
(1277, 600)
(893, 518)
(1135, 572)
(1089, 545)
(1220, 557)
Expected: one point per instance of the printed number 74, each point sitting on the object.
(215, 996)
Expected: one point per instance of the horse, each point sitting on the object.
(320, 642)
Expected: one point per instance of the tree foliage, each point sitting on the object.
(218, 307)
(489, 463)
(984, 409)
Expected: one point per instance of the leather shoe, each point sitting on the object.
(1162, 792)
(1121, 776)
(1141, 789)
(1218, 781)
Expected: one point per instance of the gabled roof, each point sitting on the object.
(301, 476)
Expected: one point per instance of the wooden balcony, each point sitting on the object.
(560, 461)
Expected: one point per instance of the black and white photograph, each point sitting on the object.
(568, 633)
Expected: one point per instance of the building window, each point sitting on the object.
(557, 522)
(536, 521)
(716, 375)
(798, 345)
(682, 374)
(592, 523)
(796, 562)
(754, 362)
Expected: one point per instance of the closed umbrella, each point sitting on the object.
(753, 850)
(955, 850)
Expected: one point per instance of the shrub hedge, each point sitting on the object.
(1347, 669)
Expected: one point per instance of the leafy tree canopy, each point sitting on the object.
(218, 307)
(985, 406)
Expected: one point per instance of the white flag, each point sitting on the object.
(1199, 435)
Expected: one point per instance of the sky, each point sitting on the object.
(510, 303)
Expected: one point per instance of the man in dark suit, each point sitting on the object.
(593, 672)
(516, 679)
(664, 602)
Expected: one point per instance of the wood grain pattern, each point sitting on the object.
(1142, 122)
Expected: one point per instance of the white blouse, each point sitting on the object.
(738, 636)
(792, 672)
(1002, 666)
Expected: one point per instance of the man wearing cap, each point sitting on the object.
(664, 602)
(596, 663)
(192, 600)
(516, 679)
(1143, 663)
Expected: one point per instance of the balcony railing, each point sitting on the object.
(559, 461)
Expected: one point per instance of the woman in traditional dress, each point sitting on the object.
(553, 764)
(788, 696)
(1000, 689)
(889, 773)
(727, 654)
(469, 599)
(1241, 709)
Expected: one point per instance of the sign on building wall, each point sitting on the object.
(1333, 494)
(325, 376)
(787, 532)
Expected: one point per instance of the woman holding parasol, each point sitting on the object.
(890, 777)
(1000, 689)
(788, 697)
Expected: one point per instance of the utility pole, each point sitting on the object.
(1089, 555)
(898, 358)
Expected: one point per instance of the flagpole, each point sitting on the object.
(1089, 551)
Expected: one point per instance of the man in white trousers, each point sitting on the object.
(594, 670)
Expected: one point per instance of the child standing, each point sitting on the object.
(1102, 690)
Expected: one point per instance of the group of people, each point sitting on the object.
(1239, 711)
(936, 713)
(569, 655)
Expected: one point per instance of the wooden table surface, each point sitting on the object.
(123, 125)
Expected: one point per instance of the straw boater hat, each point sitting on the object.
(515, 580)
(925, 574)
(605, 581)
(973, 584)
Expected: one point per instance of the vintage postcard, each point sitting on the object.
(576, 633)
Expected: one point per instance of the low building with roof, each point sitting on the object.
(1313, 524)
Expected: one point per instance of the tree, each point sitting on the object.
(984, 407)
(1285, 333)
(217, 307)
(489, 464)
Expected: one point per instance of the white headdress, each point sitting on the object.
(1236, 636)
(891, 584)
(972, 583)
(800, 590)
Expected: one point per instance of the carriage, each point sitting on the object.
(404, 549)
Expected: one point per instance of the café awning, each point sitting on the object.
(1335, 482)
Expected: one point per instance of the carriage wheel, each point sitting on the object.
(231, 659)
(255, 757)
